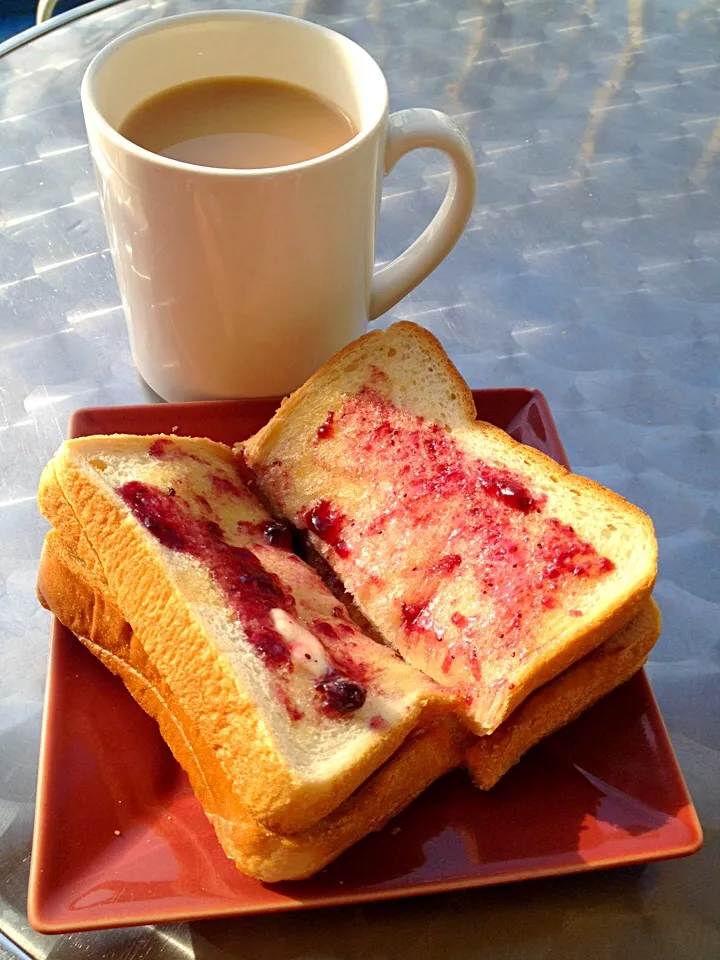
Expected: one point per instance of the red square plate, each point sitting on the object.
(120, 838)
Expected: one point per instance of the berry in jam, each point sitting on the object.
(277, 534)
(326, 429)
(327, 524)
(340, 694)
(510, 492)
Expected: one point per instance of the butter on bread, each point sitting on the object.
(293, 707)
(564, 698)
(483, 562)
(80, 600)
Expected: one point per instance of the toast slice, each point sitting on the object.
(483, 562)
(563, 699)
(80, 600)
(295, 704)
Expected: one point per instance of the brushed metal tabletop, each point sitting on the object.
(589, 269)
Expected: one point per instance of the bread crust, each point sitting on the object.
(202, 682)
(465, 401)
(68, 588)
(575, 639)
(80, 600)
(565, 697)
(426, 755)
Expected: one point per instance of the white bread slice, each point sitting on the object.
(80, 600)
(482, 561)
(563, 699)
(258, 653)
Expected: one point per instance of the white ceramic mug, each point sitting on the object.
(241, 283)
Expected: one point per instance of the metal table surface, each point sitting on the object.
(589, 269)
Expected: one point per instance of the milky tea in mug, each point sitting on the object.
(238, 122)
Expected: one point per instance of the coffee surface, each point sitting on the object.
(238, 122)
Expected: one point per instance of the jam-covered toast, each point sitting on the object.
(80, 599)
(293, 706)
(483, 562)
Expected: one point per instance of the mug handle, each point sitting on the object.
(409, 130)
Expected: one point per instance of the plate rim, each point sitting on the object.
(687, 815)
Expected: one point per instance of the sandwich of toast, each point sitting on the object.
(80, 600)
(285, 705)
(483, 562)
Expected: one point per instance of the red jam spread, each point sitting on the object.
(447, 564)
(293, 710)
(243, 470)
(411, 613)
(163, 448)
(327, 524)
(251, 590)
(224, 486)
(459, 518)
(325, 629)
